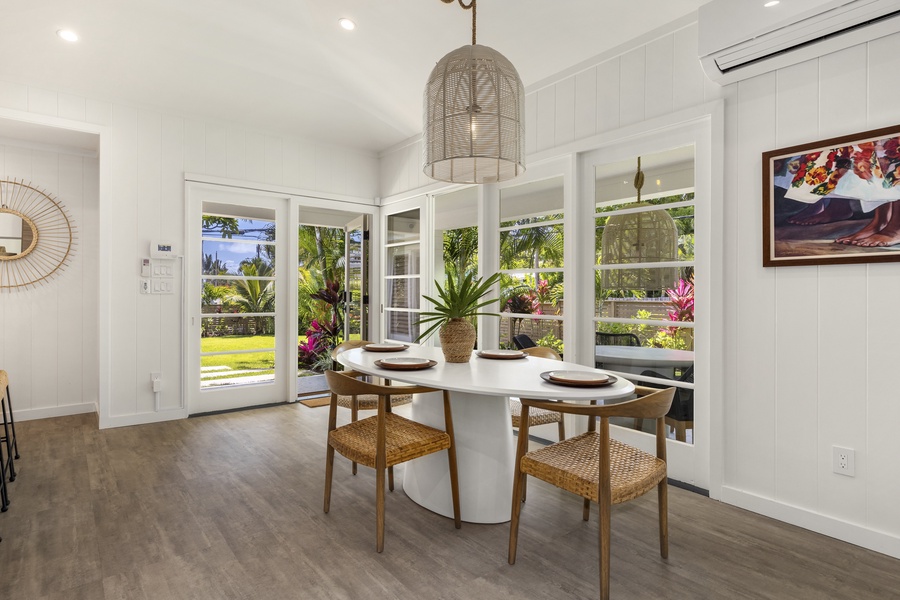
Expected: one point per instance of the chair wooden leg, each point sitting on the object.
(391, 478)
(639, 424)
(519, 480)
(329, 470)
(663, 501)
(604, 548)
(379, 510)
(586, 510)
(354, 414)
(680, 431)
(451, 458)
(562, 429)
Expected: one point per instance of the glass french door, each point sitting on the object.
(404, 268)
(237, 299)
(646, 219)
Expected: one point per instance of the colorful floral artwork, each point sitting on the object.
(835, 201)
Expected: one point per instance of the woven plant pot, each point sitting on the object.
(457, 340)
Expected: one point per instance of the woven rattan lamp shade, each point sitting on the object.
(641, 237)
(474, 112)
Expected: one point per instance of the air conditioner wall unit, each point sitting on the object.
(743, 38)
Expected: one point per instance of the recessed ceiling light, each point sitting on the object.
(347, 24)
(771, 3)
(68, 35)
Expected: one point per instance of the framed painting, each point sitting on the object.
(834, 201)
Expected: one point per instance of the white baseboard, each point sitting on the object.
(30, 414)
(143, 418)
(859, 535)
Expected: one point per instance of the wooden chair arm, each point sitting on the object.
(654, 405)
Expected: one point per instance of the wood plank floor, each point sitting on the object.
(230, 506)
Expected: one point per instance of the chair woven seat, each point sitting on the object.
(370, 401)
(572, 466)
(537, 416)
(404, 440)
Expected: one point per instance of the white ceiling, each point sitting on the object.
(287, 67)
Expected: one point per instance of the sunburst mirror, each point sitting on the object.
(36, 236)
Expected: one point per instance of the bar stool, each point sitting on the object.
(7, 464)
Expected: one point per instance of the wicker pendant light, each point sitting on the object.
(639, 237)
(474, 128)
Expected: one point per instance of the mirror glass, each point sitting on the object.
(17, 235)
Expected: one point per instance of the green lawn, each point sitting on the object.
(240, 362)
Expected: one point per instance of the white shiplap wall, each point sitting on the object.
(811, 352)
(48, 335)
(148, 155)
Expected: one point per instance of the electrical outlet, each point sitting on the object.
(156, 380)
(843, 461)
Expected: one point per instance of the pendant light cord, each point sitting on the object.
(465, 6)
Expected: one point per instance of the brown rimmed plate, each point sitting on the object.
(405, 363)
(567, 378)
(501, 354)
(385, 347)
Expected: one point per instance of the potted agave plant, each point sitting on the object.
(453, 308)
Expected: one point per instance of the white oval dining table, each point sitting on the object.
(485, 447)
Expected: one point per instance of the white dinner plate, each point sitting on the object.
(385, 347)
(501, 354)
(579, 376)
(408, 363)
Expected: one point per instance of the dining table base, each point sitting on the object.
(485, 454)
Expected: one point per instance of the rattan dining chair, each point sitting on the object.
(385, 440)
(365, 401)
(598, 468)
(538, 416)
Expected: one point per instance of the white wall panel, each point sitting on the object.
(194, 146)
(632, 84)
(256, 156)
(274, 160)
(546, 118)
(608, 95)
(586, 103)
(126, 238)
(43, 102)
(883, 409)
(754, 410)
(236, 152)
(72, 107)
(530, 124)
(687, 74)
(98, 112)
(658, 78)
(797, 317)
(882, 60)
(216, 152)
(13, 95)
(565, 111)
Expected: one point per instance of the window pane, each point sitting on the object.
(532, 247)
(403, 260)
(532, 202)
(520, 294)
(626, 292)
(651, 236)
(544, 332)
(238, 229)
(237, 296)
(233, 332)
(667, 175)
(238, 258)
(403, 293)
(649, 336)
(403, 227)
(402, 326)
(236, 369)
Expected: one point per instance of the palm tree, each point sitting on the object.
(255, 295)
(460, 252)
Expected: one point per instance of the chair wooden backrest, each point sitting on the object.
(650, 404)
(543, 352)
(348, 345)
(616, 339)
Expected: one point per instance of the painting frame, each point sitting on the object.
(834, 201)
